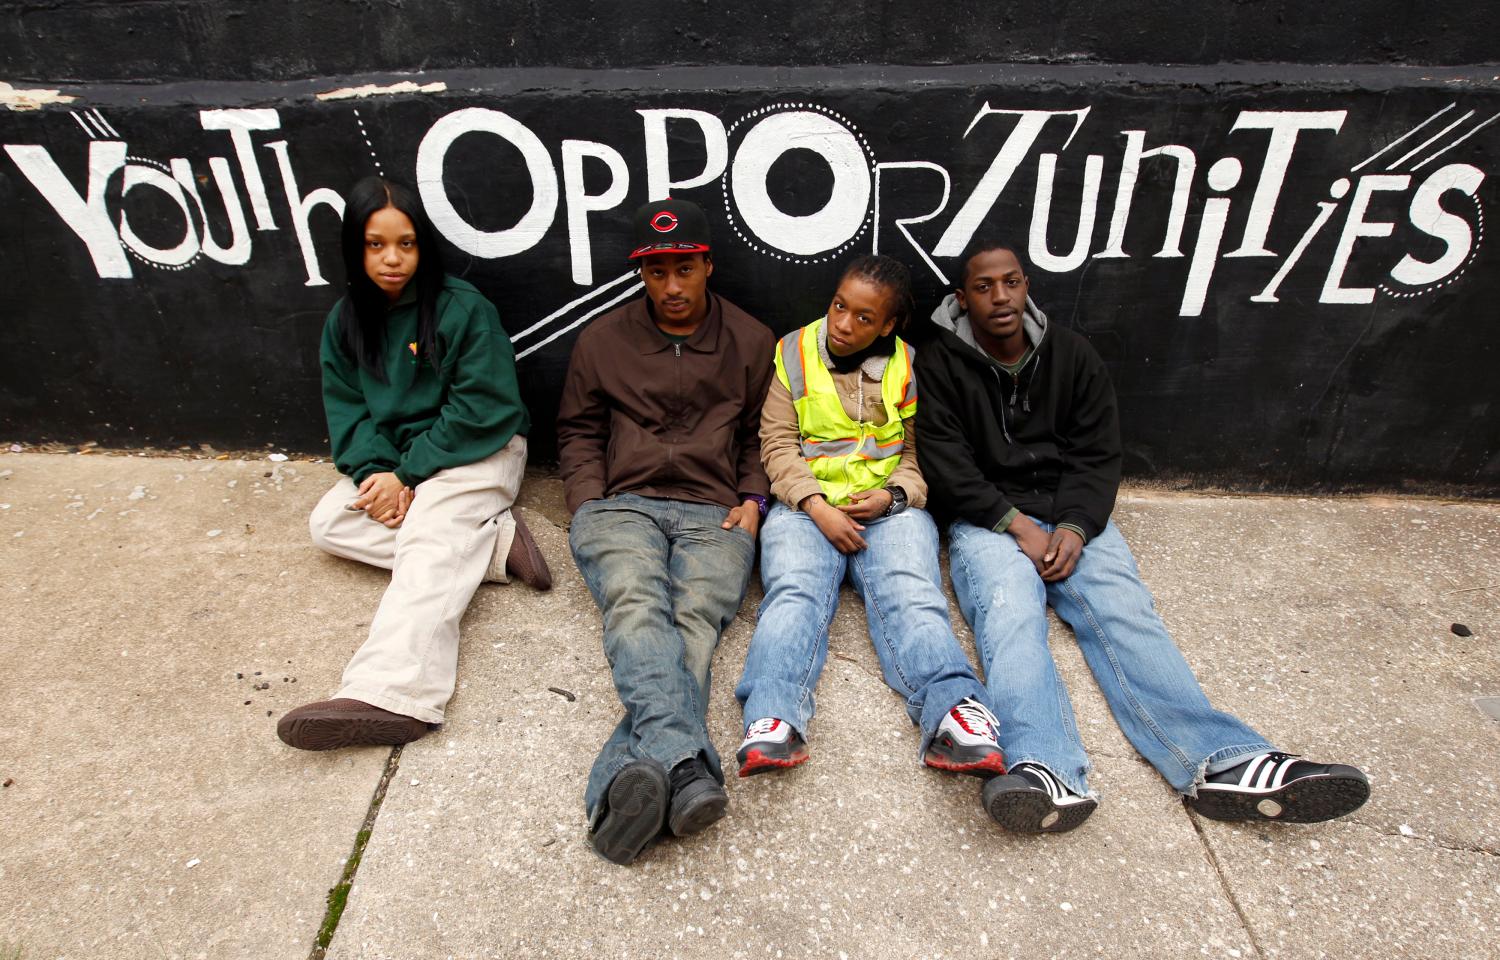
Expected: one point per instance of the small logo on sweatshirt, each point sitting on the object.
(413, 348)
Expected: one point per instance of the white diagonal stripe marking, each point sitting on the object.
(1402, 137)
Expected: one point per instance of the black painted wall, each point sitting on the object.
(1300, 295)
(154, 40)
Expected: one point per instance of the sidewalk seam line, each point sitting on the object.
(1234, 902)
(1430, 841)
(333, 913)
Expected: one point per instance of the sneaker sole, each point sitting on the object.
(637, 805)
(1309, 800)
(333, 731)
(755, 761)
(701, 812)
(991, 765)
(1025, 810)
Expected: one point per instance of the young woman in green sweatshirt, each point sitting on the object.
(428, 429)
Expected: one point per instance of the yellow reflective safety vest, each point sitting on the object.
(846, 456)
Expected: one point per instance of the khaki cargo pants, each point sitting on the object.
(459, 520)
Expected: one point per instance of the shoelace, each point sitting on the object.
(977, 718)
(761, 727)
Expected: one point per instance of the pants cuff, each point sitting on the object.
(393, 702)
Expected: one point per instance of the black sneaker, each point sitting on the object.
(1030, 799)
(635, 806)
(698, 800)
(1279, 786)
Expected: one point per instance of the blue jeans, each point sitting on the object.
(898, 578)
(668, 580)
(1149, 687)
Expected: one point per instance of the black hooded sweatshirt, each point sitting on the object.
(1045, 442)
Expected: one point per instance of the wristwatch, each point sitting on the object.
(898, 501)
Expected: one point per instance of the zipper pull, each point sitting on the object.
(677, 349)
(1015, 387)
(1026, 404)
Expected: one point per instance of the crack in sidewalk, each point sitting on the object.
(1234, 902)
(338, 896)
(1429, 840)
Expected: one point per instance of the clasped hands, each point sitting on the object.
(1054, 556)
(841, 524)
(384, 498)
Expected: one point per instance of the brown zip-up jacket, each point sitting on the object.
(640, 414)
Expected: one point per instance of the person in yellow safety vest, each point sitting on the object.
(838, 445)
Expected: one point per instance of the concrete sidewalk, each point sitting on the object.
(160, 614)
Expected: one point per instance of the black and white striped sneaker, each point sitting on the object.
(1030, 799)
(1280, 786)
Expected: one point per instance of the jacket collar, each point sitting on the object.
(951, 319)
(647, 336)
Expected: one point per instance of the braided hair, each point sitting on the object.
(891, 274)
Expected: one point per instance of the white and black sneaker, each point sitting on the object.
(770, 744)
(967, 742)
(1280, 786)
(1030, 799)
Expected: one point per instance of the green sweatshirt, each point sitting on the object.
(421, 421)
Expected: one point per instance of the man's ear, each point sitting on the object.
(708, 266)
(963, 302)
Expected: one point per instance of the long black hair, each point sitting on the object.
(362, 320)
(890, 273)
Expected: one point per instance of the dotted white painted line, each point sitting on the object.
(146, 162)
(724, 183)
(364, 133)
(1473, 252)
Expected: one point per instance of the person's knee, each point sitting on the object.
(322, 523)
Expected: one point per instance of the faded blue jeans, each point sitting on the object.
(1150, 688)
(898, 578)
(668, 580)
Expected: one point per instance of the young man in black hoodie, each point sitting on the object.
(1021, 448)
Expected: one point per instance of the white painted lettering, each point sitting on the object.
(1285, 126)
(238, 251)
(1428, 215)
(1356, 226)
(1041, 210)
(839, 219)
(1022, 136)
(137, 175)
(580, 202)
(901, 223)
(301, 209)
(533, 224)
(1222, 176)
(1130, 168)
(239, 123)
(659, 182)
(89, 219)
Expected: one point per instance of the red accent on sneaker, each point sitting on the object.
(958, 718)
(757, 761)
(992, 763)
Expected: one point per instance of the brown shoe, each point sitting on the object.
(525, 562)
(330, 724)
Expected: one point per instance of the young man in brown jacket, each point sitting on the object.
(660, 456)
